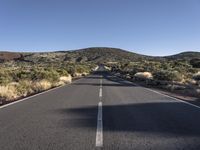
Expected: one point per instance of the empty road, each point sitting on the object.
(100, 111)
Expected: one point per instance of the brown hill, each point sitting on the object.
(7, 56)
(93, 55)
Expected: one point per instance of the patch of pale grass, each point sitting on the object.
(42, 85)
(144, 75)
(191, 81)
(60, 83)
(8, 92)
(66, 79)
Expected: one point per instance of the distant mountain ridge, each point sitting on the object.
(185, 55)
(93, 54)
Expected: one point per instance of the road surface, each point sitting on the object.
(100, 111)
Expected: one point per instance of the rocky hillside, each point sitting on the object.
(185, 55)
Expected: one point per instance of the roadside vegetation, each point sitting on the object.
(21, 79)
(23, 74)
(179, 76)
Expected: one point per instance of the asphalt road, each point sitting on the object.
(100, 111)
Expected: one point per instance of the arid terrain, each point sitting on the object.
(24, 74)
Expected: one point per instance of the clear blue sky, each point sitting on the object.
(154, 27)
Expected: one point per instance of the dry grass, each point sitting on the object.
(60, 83)
(144, 75)
(25, 87)
(42, 85)
(63, 80)
(8, 92)
(191, 82)
(66, 79)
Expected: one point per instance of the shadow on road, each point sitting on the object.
(172, 118)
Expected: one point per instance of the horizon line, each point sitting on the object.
(66, 50)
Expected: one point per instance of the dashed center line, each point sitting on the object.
(100, 92)
(99, 133)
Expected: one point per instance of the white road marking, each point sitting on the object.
(100, 89)
(21, 100)
(172, 98)
(163, 94)
(99, 133)
(100, 92)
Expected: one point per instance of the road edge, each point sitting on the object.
(37, 94)
(157, 92)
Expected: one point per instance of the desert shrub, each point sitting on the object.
(66, 79)
(166, 66)
(191, 81)
(132, 69)
(195, 63)
(71, 70)
(8, 92)
(143, 75)
(21, 75)
(42, 85)
(167, 75)
(5, 77)
(81, 69)
(50, 75)
(76, 74)
(62, 72)
(25, 87)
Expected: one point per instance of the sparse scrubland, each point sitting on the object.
(23, 74)
(21, 79)
(179, 76)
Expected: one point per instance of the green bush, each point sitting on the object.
(195, 63)
(49, 74)
(81, 69)
(24, 87)
(21, 75)
(5, 77)
(71, 70)
(167, 75)
(62, 72)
